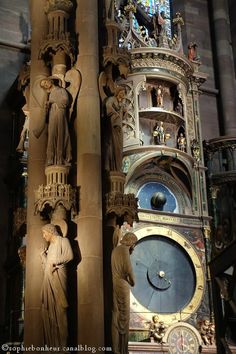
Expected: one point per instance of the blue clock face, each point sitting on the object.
(156, 196)
(165, 279)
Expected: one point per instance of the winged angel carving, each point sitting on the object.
(58, 104)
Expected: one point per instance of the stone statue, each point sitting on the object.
(157, 329)
(54, 293)
(25, 129)
(59, 145)
(181, 141)
(122, 279)
(115, 109)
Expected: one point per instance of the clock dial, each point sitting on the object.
(183, 340)
(169, 278)
(165, 278)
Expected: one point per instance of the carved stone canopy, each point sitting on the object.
(55, 5)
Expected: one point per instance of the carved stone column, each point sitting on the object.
(225, 64)
(36, 163)
(90, 269)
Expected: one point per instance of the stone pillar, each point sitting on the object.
(225, 65)
(90, 269)
(36, 163)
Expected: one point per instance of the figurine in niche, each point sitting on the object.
(181, 141)
(159, 134)
(207, 331)
(115, 110)
(157, 329)
(58, 145)
(122, 279)
(25, 129)
(54, 293)
(159, 92)
(177, 102)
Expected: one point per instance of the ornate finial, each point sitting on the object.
(130, 7)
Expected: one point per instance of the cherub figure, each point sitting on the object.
(157, 329)
(207, 331)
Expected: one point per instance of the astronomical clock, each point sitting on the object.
(164, 169)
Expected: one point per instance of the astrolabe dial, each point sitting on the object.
(169, 278)
(183, 339)
(165, 278)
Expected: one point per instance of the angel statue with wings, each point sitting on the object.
(58, 108)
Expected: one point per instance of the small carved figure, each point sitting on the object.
(181, 141)
(54, 293)
(207, 331)
(159, 134)
(159, 23)
(25, 129)
(115, 109)
(122, 278)
(59, 145)
(157, 329)
(195, 146)
(159, 91)
(192, 51)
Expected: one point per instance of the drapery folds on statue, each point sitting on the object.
(54, 291)
(122, 278)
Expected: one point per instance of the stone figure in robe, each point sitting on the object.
(54, 292)
(59, 144)
(25, 129)
(122, 279)
(115, 110)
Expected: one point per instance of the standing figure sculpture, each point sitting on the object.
(54, 292)
(159, 134)
(115, 109)
(59, 145)
(25, 130)
(181, 141)
(159, 92)
(122, 278)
